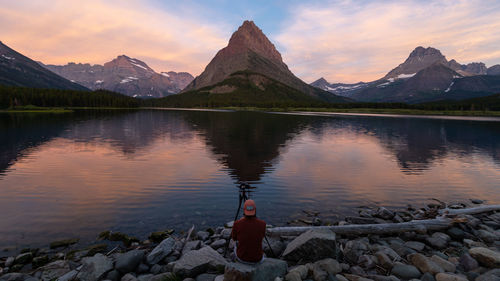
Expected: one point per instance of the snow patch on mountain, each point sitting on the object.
(128, 79)
(7, 57)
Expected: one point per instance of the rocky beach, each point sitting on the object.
(438, 241)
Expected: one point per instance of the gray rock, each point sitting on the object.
(17, 277)
(415, 245)
(128, 277)
(219, 278)
(444, 264)
(155, 269)
(312, 245)
(437, 241)
(145, 277)
(354, 249)
(456, 233)
(330, 266)
(196, 262)
(202, 235)
(354, 277)
(484, 235)
(424, 264)
(226, 233)
(206, 277)
(68, 276)
(492, 275)
(277, 247)
(142, 268)
(128, 262)
(163, 277)
(300, 271)
(269, 269)
(191, 245)
(113, 275)
(383, 278)
(23, 258)
(293, 276)
(94, 268)
(9, 262)
(384, 213)
(405, 271)
(318, 273)
(486, 256)
(467, 262)
(341, 277)
(161, 251)
(449, 277)
(218, 244)
(477, 201)
(427, 277)
(383, 260)
(54, 270)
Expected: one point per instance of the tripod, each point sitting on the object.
(244, 194)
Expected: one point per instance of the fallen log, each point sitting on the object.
(421, 226)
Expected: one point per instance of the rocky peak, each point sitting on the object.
(126, 63)
(249, 36)
(477, 68)
(418, 59)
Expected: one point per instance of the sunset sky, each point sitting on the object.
(343, 41)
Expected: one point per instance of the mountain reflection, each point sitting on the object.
(248, 144)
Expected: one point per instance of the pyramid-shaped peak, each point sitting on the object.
(250, 37)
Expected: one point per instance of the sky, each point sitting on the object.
(342, 41)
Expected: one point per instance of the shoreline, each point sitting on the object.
(468, 248)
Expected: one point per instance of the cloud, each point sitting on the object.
(96, 31)
(350, 41)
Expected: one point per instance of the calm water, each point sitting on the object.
(78, 174)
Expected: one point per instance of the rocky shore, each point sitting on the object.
(469, 249)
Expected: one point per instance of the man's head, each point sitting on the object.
(249, 208)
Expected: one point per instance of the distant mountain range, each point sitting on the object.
(124, 75)
(426, 75)
(250, 70)
(18, 70)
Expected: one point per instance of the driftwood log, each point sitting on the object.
(444, 221)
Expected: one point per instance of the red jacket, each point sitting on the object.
(249, 232)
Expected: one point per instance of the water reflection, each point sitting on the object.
(145, 170)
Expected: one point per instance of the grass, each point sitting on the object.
(36, 109)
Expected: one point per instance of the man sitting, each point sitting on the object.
(248, 232)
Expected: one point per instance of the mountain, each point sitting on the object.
(250, 50)
(18, 70)
(418, 59)
(124, 75)
(494, 70)
(341, 89)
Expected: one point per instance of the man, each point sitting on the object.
(248, 233)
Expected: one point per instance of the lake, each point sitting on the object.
(77, 174)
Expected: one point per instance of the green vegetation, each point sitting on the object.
(29, 99)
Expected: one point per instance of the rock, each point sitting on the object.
(113, 275)
(17, 277)
(161, 251)
(427, 277)
(486, 256)
(353, 277)
(456, 233)
(415, 245)
(424, 264)
(405, 271)
(191, 245)
(492, 275)
(226, 233)
(196, 262)
(384, 213)
(202, 235)
(444, 264)
(367, 261)
(341, 277)
(128, 277)
(438, 240)
(128, 262)
(9, 261)
(449, 277)
(467, 262)
(142, 268)
(300, 270)
(318, 273)
(477, 201)
(293, 276)
(384, 260)
(219, 278)
(155, 269)
(361, 220)
(145, 277)
(487, 236)
(277, 247)
(312, 245)
(218, 244)
(330, 266)
(63, 243)
(269, 269)
(54, 270)
(23, 258)
(205, 277)
(40, 261)
(94, 268)
(70, 276)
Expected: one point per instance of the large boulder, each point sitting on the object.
(54, 270)
(312, 245)
(128, 262)
(94, 268)
(161, 251)
(485, 256)
(200, 261)
(269, 269)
